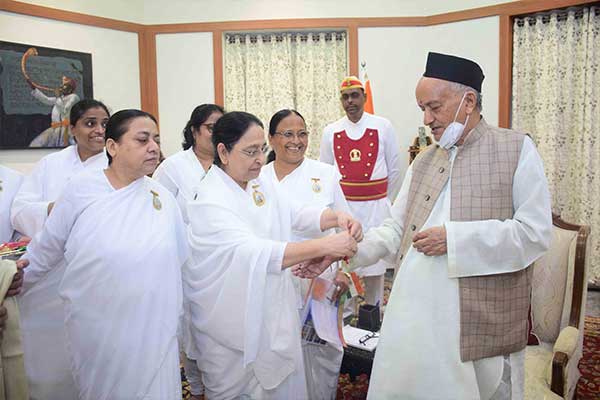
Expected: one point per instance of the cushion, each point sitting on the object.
(548, 286)
(566, 343)
(537, 359)
(567, 340)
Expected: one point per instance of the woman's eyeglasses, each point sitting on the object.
(289, 135)
(256, 152)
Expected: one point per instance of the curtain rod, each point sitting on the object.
(561, 14)
(280, 36)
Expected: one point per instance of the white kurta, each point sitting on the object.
(244, 313)
(418, 356)
(315, 183)
(369, 213)
(10, 181)
(42, 316)
(121, 287)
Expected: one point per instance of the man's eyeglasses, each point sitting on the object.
(256, 152)
(371, 335)
(289, 135)
(209, 127)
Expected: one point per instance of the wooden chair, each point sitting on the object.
(415, 149)
(558, 298)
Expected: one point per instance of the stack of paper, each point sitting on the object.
(323, 311)
(360, 338)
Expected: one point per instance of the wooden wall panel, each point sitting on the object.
(147, 37)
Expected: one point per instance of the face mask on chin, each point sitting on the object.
(454, 131)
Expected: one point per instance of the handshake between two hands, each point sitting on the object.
(340, 246)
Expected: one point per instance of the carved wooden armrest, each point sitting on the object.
(563, 350)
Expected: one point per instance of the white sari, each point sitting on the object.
(243, 306)
(317, 183)
(10, 181)
(46, 359)
(121, 287)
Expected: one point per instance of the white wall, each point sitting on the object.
(395, 56)
(179, 11)
(124, 10)
(115, 65)
(185, 80)
(396, 59)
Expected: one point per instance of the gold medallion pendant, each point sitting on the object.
(316, 185)
(259, 198)
(156, 201)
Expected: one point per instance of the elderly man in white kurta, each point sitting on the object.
(364, 148)
(10, 181)
(472, 215)
(41, 308)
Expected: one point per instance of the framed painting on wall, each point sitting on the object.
(38, 87)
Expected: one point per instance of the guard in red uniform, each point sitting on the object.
(364, 148)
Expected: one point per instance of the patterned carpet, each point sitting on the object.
(588, 387)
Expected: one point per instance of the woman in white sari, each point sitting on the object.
(243, 304)
(46, 359)
(181, 174)
(123, 241)
(316, 183)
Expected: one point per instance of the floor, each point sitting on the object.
(593, 303)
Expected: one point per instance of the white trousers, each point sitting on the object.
(193, 375)
(322, 368)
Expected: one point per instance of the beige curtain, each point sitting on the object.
(264, 73)
(556, 98)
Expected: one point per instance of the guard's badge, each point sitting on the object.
(316, 185)
(355, 155)
(259, 198)
(156, 201)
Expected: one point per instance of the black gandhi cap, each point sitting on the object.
(454, 69)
